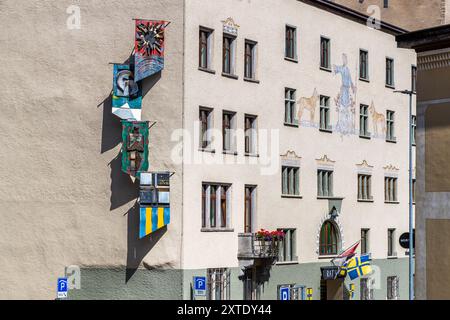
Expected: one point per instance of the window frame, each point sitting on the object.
(391, 189)
(364, 187)
(325, 53)
(365, 242)
(251, 135)
(250, 59)
(293, 47)
(332, 234)
(391, 252)
(325, 114)
(365, 77)
(212, 206)
(390, 73)
(229, 132)
(229, 49)
(290, 246)
(390, 126)
(292, 109)
(328, 183)
(224, 275)
(205, 144)
(206, 61)
(290, 175)
(364, 121)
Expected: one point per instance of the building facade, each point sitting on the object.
(282, 122)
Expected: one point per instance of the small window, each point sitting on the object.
(205, 47)
(287, 247)
(228, 55)
(329, 238)
(385, 3)
(289, 107)
(365, 241)
(250, 208)
(290, 181)
(250, 60)
(413, 129)
(390, 189)
(413, 78)
(291, 43)
(390, 72)
(218, 287)
(393, 288)
(205, 126)
(364, 121)
(216, 213)
(325, 113)
(364, 187)
(324, 183)
(366, 290)
(414, 190)
(250, 135)
(391, 243)
(390, 128)
(228, 131)
(363, 65)
(325, 53)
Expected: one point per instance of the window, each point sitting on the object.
(414, 190)
(365, 241)
(290, 181)
(218, 287)
(216, 213)
(364, 187)
(228, 131)
(328, 244)
(228, 54)
(205, 46)
(325, 183)
(364, 121)
(390, 132)
(205, 126)
(390, 189)
(289, 107)
(413, 78)
(291, 43)
(325, 113)
(250, 208)
(385, 3)
(389, 72)
(392, 288)
(391, 243)
(363, 65)
(413, 129)
(250, 60)
(287, 249)
(250, 135)
(324, 53)
(366, 289)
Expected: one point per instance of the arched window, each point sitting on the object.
(329, 239)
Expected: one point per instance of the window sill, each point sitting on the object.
(292, 196)
(294, 125)
(233, 153)
(327, 69)
(251, 80)
(392, 202)
(217, 229)
(389, 86)
(206, 70)
(365, 200)
(364, 80)
(391, 140)
(326, 130)
(368, 137)
(327, 256)
(392, 257)
(286, 263)
(229, 75)
(329, 198)
(251, 155)
(295, 60)
(207, 150)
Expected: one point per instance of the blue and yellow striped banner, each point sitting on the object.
(152, 219)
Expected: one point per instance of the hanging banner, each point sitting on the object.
(149, 48)
(127, 94)
(134, 147)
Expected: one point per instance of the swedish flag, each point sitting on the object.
(358, 267)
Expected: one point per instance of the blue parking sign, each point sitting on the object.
(199, 286)
(285, 293)
(62, 288)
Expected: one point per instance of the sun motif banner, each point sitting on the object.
(148, 48)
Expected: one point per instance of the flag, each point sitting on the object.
(152, 219)
(127, 94)
(148, 48)
(358, 266)
(345, 255)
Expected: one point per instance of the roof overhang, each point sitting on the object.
(426, 39)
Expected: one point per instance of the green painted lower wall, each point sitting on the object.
(176, 284)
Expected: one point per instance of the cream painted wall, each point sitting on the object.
(266, 100)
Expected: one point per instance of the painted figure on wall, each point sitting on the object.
(379, 122)
(308, 104)
(345, 102)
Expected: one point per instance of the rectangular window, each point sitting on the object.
(414, 190)
(228, 54)
(365, 241)
(291, 43)
(393, 288)
(324, 183)
(290, 181)
(389, 72)
(325, 113)
(413, 129)
(390, 129)
(413, 78)
(385, 3)
(390, 189)
(250, 60)
(289, 106)
(363, 64)
(391, 243)
(250, 135)
(325, 53)
(366, 290)
(364, 121)
(250, 208)
(287, 247)
(218, 287)
(205, 46)
(205, 118)
(216, 213)
(228, 131)
(364, 187)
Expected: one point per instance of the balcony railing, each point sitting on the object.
(252, 247)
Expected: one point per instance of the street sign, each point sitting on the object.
(199, 286)
(285, 293)
(62, 288)
(404, 240)
(329, 273)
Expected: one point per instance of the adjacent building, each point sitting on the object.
(283, 120)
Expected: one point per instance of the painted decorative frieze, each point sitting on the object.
(230, 27)
(290, 159)
(325, 163)
(364, 167)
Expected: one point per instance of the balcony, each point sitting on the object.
(252, 247)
